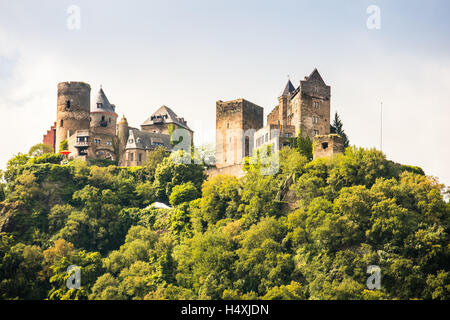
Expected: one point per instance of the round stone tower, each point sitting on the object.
(73, 109)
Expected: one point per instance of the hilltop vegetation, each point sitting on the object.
(223, 238)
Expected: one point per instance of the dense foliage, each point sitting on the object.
(226, 237)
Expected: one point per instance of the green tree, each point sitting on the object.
(304, 146)
(40, 149)
(337, 127)
(183, 193)
(64, 145)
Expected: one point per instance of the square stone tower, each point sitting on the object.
(306, 107)
(236, 122)
(327, 145)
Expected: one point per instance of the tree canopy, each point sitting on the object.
(310, 231)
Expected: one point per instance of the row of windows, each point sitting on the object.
(61, 123)
(159, 117)
(99, 141)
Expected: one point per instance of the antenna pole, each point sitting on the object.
(381, 127)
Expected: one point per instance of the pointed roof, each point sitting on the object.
(289, 88)
(165, 115)
(102, 104)
(315, 75)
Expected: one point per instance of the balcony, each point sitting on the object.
(81, 144)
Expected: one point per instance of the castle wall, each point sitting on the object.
(273, 116)
(236, 121)
(315, 107)
(327, 145)
(104, 122)
(234, 170)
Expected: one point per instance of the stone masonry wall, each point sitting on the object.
(73, 109)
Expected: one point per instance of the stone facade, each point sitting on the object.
(327, 145)
(307, 107)
(73, 110)
(236, 122)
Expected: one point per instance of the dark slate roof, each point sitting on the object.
(289, 88)
(147, 140)
(315, 74)
(165, 115)
(102, 104)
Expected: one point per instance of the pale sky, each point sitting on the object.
(189, 54)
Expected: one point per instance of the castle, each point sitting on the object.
(303, 110)
(92, 132)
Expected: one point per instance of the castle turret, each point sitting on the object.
(103, 115)
(283, 101)
(73, 109)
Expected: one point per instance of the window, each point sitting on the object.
(131, 156)
(315, 119)
(61, 124)
(68, 104)
(109, 120)
(247, 147)
(324, 145)
(316, 132)
(99, 105)
(267, 137)
(316, 104)
(228, 125)
(140, 157)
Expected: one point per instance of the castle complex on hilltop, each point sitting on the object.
(92, 132)
(303, 110)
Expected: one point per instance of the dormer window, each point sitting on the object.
(100, 105)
